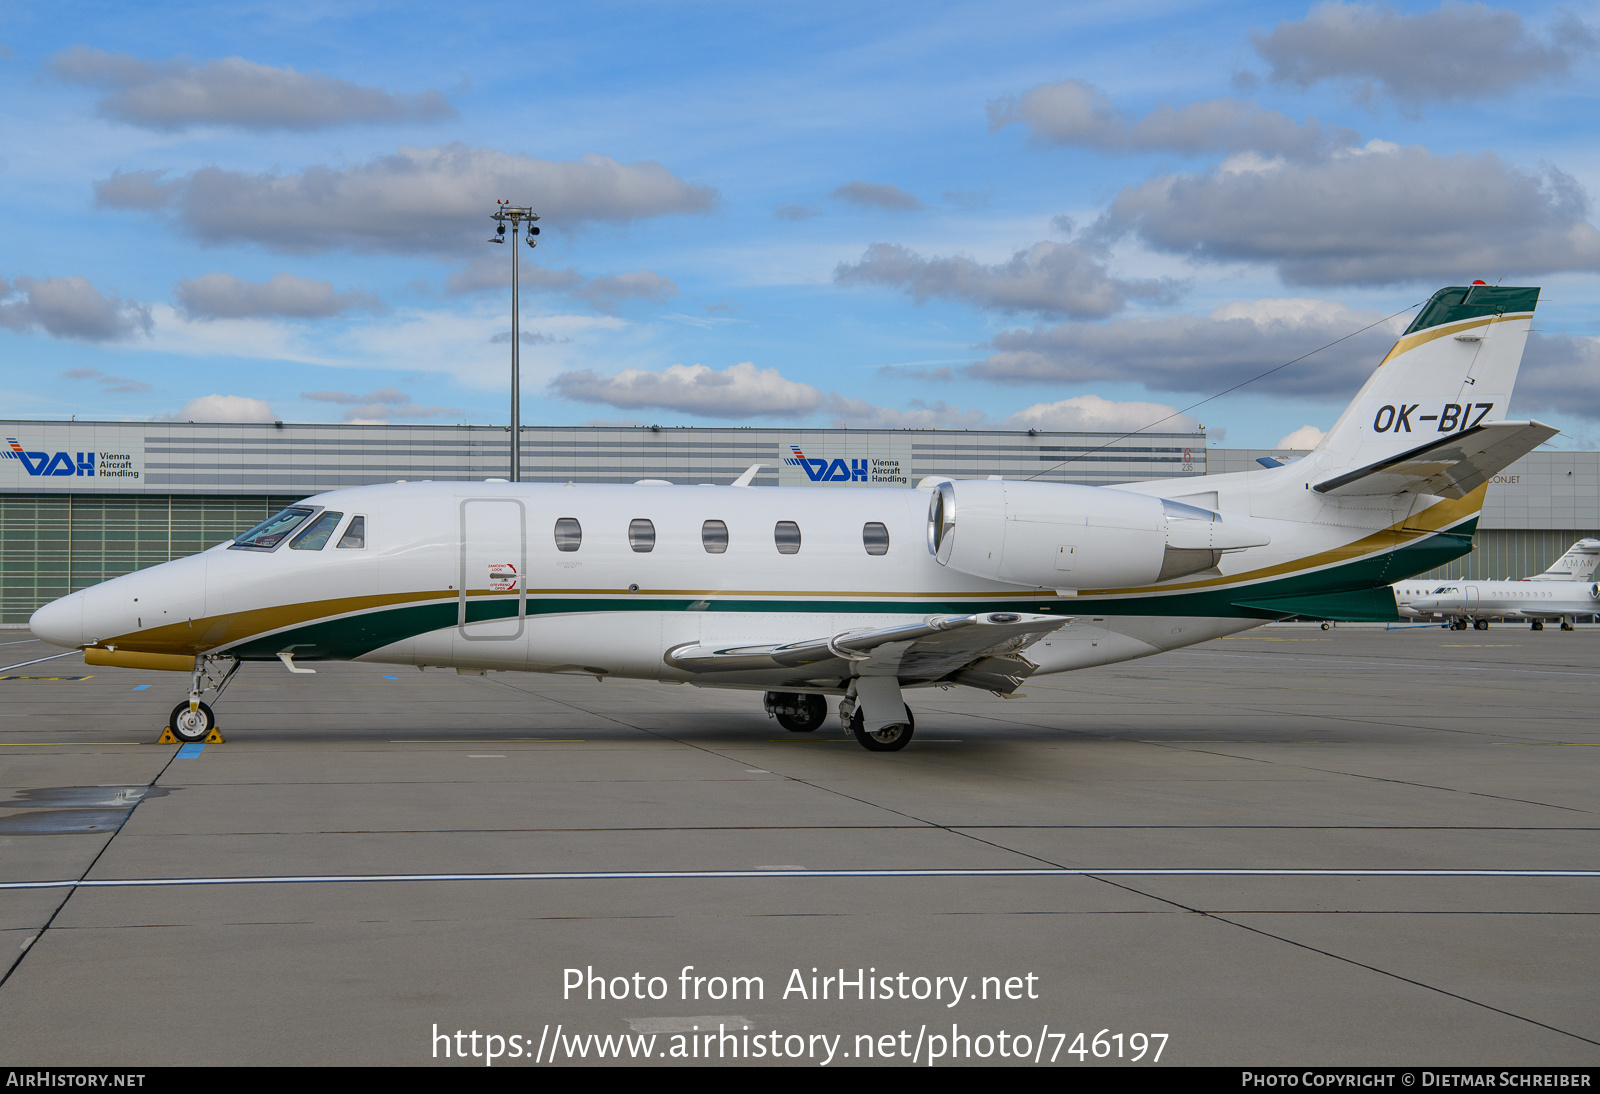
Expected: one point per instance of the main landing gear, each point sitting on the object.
(192, 720)
(797, 713)
(891, 738)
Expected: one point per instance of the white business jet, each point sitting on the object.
(1564, 591)
(812, 593)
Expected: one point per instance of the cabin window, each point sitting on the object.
(271, 532)
(875, 538)
(642, 535)
(786, 534)
(714, 537)
(317, 534)
(355, 536)
(569, 534)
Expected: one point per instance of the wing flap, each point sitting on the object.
(1451, 467)
(930, 650)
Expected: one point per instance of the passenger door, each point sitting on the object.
(493, 601)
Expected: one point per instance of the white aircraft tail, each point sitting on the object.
(1431, 418)
(1576, 565)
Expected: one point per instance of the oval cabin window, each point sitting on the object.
(875, 538)
(642, 535)
(786, 534)
(714, 536)
(569, 534)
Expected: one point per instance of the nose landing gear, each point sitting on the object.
(192, 720)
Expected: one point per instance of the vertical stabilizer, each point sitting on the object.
(1576, 565)
(1452, 369)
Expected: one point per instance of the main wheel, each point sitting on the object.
(1538, 625)
(801, 713)
(190, 725)
(891, 738)
(1480, 624)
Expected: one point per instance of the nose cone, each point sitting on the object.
(60, 622)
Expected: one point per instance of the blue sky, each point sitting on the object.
(998, 215)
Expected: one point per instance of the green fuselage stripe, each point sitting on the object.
(352, 636)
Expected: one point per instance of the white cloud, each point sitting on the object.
(1057, 279)
(1092, 414)
(233, 91)
(70, 307)
(874, 195)
(1459, 51)
(1203, 354)
(1073, 112)
(738, 391)
(415, 200)
(111, 385)
(223, 296)
(1303, 439)
(917, 414)
(380, 407)
(221, 408)
(1389, 215)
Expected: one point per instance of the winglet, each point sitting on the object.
(749, 475)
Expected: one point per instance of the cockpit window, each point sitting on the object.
(355, 536)
(271, 532)
(317, 533)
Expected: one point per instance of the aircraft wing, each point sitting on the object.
(1451, 467)
(982, 650)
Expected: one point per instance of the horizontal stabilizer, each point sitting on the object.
(920, 652)
(1356, 606)
(1451, 467)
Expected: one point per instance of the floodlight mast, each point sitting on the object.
(515, 214)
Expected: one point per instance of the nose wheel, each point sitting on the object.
(191, 725)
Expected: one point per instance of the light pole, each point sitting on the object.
(516, 214)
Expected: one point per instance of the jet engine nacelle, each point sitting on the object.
(1060, 536)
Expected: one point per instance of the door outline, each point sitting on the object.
(522, 573)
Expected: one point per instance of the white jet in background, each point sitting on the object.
(1564, 591)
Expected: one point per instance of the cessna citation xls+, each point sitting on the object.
(808, 593)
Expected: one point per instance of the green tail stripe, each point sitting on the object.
(1472, 302)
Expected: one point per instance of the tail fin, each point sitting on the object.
(1430, 419)
(1452, 369)
(1576, 565)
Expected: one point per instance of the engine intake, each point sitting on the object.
(1061, 536)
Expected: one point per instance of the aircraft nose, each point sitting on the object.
(60, 622)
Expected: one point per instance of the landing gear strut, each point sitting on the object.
(192, 720)
(797, 713)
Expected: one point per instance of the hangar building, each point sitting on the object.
(81, 502)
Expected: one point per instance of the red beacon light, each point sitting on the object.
(1480, 282)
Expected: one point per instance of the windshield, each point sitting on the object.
(270, 532)
(316, 535)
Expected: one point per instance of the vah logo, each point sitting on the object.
(823, 471)
(40, 464)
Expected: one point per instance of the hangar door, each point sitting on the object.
(493, 601)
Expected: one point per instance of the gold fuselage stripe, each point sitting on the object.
(211, 632)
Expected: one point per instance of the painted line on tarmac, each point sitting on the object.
(702, 875)
(1435, 666)
(38, 660)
